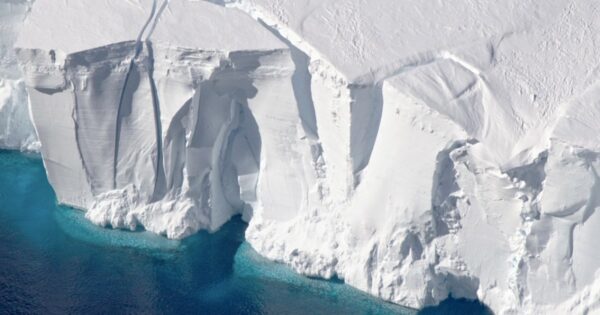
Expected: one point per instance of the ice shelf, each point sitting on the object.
(414, 149)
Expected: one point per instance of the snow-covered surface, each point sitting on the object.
(414, 149)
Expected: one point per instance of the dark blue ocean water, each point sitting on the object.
(53, 261)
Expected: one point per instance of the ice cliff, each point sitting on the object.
(414, 149)
(16, 130)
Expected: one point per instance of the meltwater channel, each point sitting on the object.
(53, 261)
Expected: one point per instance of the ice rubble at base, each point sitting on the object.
(412, 149)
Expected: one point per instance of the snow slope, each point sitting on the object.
(414, 149)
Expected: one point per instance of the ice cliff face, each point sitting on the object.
(412, 149)
(16, 130)
(144, 126)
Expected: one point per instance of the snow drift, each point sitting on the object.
(412, 149)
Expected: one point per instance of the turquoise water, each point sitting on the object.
(53, 261)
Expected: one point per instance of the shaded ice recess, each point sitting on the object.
(412, 149)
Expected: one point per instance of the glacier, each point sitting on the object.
(16, 129)
(414, 149)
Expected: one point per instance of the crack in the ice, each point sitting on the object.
(137, 50)
(159, 179)
(157, 17)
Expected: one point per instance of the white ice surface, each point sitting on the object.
(414, 149)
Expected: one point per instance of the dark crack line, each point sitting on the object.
(137, 51)
(159, 179)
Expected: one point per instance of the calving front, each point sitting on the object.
(412, 149)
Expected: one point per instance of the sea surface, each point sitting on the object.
(53, 261)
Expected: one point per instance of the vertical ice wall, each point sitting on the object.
(173, 132)
(16, 130)
(483, 185)
(412, 149)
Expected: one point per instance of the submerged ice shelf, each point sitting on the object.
(412, 149)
